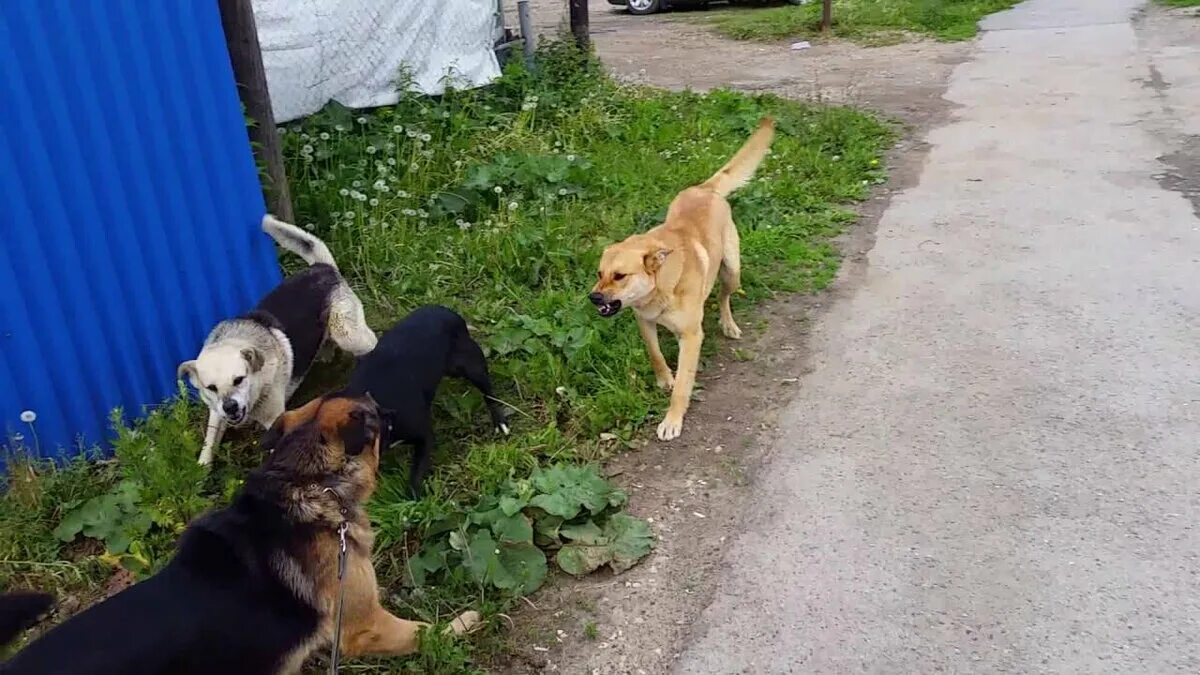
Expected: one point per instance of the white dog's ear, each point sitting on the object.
(187, 369)
(254, 358)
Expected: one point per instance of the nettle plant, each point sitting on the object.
(160, 489)
(570, 512)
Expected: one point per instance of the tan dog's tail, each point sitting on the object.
(739, 170)
(296, 240)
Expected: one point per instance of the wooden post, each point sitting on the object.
(826, 15)
(579, 22)
(241, 37)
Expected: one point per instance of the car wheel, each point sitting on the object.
(643, 6)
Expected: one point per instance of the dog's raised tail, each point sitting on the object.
(20, 610)
(288, 236)
(740, 169)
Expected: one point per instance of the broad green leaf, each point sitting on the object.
(630, 539)
(482, 557)
(564, 489)
(556, 505)
(515, 528)
(578, 559)
(525, 564)
(547, 530)
(512, 505)
(587, 533)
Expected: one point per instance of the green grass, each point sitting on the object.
(867, 21)
(495, 202)
(1181, 3)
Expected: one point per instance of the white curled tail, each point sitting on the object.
(288, 236)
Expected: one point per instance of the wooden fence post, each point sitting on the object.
(241, 37)
(579, 22)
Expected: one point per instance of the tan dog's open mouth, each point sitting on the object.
(605, 307)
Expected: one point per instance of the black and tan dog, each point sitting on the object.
(253, 587)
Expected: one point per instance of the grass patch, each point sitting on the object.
(1180, 3)
(495, 202)
(868, 21)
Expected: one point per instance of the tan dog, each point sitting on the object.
(666, 274)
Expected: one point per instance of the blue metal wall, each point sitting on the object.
(129, 208)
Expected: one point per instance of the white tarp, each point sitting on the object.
(353, 51)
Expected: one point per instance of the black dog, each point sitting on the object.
(20, 610)
(404, 370)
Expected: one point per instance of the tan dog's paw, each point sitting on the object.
(731, 330)
(464, 623)
(670, 428)
(666, 382)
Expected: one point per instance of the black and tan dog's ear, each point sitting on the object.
(355, 433)
(254, 359)
(271, 437)
(186, 370)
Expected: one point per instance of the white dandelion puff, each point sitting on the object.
(399, 129)
(28, 416)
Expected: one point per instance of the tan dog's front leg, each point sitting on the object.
(662, 372)
(390, 635)
(681, 396)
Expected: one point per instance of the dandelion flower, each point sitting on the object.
(338, 127)
(512, 206)
(344, 192)
(391, 161)
(362, 120)
(307, 149)
(426, 137)
(399, 128)
(373, 202)
(28, 416)
(371, 150)
(356, 184)
(402, 194)
(445, 114)
(570, 158)
(562, 192)
(324, 135)
(349, 215)
(497, 189)
(409, 212)
(411, 134)
(422, 213)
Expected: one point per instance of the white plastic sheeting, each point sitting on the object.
(353, 51)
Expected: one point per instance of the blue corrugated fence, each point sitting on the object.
(131, 208)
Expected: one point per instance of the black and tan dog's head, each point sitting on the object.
(630, 271)
(332, 438)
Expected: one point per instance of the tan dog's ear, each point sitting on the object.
(187, 369)
(654, 260)
(254, 359)
(666, 268)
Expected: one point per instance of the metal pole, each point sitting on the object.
(579, 22)
(526, 28)
(241, 37)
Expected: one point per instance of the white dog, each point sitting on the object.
(251, 365)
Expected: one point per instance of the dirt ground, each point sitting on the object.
(692, 488)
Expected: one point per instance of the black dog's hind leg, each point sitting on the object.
(467, 361)
(422, 459)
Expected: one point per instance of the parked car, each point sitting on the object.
(652, 6)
